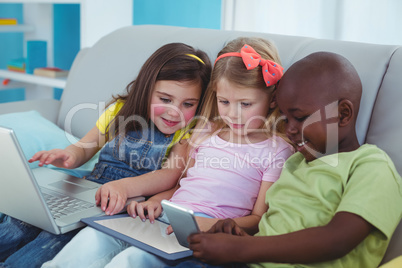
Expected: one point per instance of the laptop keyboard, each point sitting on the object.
(63, 205)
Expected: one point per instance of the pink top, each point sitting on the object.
(226, 177)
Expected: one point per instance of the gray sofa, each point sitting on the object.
(108, 66)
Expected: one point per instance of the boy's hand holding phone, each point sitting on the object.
(228, 226)
(212, 246)
(215, 248)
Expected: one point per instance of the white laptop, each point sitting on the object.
(28, 195)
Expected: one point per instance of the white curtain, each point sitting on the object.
(370, 21)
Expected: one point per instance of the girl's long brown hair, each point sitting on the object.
(170, 62)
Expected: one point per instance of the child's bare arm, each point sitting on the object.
(342, 234)
(74, 155)
(248, 223)
(112, 196)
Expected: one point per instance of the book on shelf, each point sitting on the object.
(50, 72)
(15, 69)
(17, 65)
(8, 21)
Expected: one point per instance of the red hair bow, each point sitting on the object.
(271, 70)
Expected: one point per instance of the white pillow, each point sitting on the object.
(35, 133)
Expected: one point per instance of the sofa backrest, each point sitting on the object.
(114, 61)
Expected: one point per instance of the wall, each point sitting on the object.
(66, 28)
(186, 13)
(369, 21)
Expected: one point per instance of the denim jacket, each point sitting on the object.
(137, 153)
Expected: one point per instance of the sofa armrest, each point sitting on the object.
(47, 108)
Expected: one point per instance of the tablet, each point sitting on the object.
(182, 220)
(144, 235)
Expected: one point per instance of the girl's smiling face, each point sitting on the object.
(244, 110)
(173, 104)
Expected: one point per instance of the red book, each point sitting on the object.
(50, 72)
(15, 69)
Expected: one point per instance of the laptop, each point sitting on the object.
(46, 198)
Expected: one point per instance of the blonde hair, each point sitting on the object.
(233, 69)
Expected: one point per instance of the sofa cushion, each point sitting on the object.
(35, 133)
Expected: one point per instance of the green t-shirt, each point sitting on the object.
(308, 194)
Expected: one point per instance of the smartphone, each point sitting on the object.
(182, 220)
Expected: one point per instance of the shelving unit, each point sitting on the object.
(16, 28)
(12, 85)
(37, 25)
(33, 79)
(97, 18)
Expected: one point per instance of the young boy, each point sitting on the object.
(336, 203)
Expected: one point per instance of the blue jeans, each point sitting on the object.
(107, 252)
(23, 245)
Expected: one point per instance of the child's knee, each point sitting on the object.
(133, 256)
(88, 233)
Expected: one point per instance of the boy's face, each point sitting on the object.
(311, 118)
